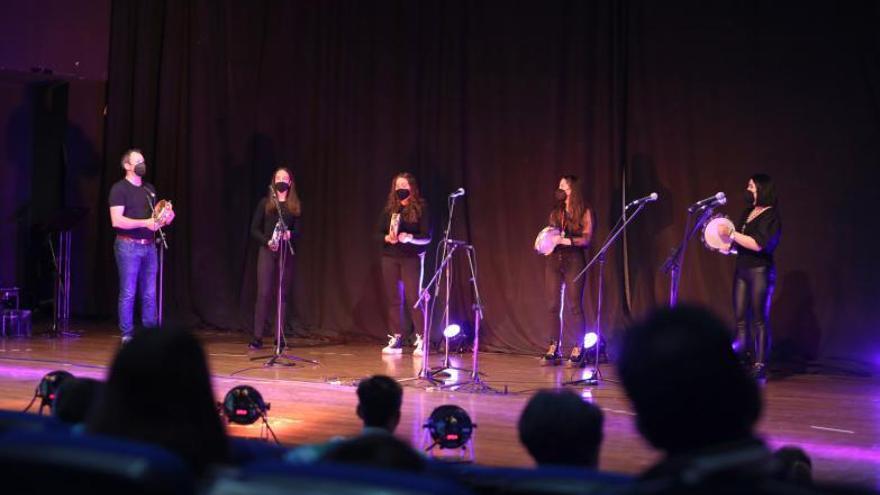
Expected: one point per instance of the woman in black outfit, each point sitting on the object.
(405, 230)
(575, 221)
(755, 278)
(263, 225)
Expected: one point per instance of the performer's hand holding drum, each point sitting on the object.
(717, 235)
(163, 212)
(547, 240)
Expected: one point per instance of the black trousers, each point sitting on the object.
(401, 276)
(752, 291)
(562, 266)
(267, 289)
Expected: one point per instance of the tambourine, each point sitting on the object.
(162, 212)
(712, 238)
(547, 240)
(277, 236)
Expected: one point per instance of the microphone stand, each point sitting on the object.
(162, 244)
(445, 243)
(596, 376)
(278, 357)
(475, 383)
(422, 303)
(425, 372)
(672, 265)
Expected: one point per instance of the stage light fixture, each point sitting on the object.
(451, 331)
(450, 427)
(47, 390)
(590, 339)
(244, 405)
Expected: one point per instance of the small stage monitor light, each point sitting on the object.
(451, 331)
(244, 405)
(47, 390)
(590, 340)
(450, 427)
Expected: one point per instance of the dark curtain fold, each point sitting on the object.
(682, 98)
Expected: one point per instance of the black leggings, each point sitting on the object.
(752, 290)
(562, 266)
(267, 287)
(405, 271)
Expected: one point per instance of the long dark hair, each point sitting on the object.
(413, 209)
(574, 214)
(159, 392)
(291, 202)
(765, 194)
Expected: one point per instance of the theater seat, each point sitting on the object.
(557, 480)
(61, 463)
(272, 478)
(21, 421)
(250, 450)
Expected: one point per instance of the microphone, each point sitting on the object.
(151, 196)
(647, 199)
(717, 199)
(458, 192)
(456, 242)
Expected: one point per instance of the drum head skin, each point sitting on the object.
(712, 238)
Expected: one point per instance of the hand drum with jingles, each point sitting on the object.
(162, 211)
(547, 240)
(712, 238)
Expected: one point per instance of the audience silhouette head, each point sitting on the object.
(159, 391)
(684, 381)
(379, 400)
(559, 427)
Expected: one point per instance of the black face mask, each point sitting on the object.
(282, 187)
(750, 198)
(402, 194)
(559, 195)
(140, 169)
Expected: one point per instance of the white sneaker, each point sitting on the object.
(419, 346)
(395, 345)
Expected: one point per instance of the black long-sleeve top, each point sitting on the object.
(263, 224)
(765, 229)
(420, 229)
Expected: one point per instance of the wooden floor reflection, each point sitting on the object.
(836, 419)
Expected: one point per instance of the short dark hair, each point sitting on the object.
(559, 427)
(379, 400)
(685, 383)
(127, 155)
(765, 194)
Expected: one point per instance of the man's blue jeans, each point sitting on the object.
(138, 265)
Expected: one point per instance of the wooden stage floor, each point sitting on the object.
(835, 419)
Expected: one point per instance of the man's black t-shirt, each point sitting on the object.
(136, 200)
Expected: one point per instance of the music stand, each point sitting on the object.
(62, 223)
